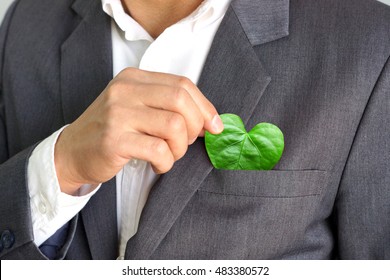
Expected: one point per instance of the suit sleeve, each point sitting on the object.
(362, 209)
(16, 230)
(3, 34)
(15, 221)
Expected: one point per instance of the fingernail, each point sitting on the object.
(217, 124)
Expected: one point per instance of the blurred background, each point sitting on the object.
(5, 3)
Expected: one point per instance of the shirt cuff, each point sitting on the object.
(51, 208)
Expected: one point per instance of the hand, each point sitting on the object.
(144, 115)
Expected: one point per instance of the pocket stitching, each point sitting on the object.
(262, 196)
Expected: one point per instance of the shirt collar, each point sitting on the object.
(207, 12)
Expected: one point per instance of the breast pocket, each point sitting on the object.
(272, 184)
(257, 214)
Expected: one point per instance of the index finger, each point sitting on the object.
(212, 120)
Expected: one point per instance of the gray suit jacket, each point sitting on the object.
(319, 70)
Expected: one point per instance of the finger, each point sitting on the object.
(212, 121)
(167, 125)
(175, 100)
(148, 148)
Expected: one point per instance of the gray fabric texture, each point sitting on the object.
(317, 69)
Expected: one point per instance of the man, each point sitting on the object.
(317, 69)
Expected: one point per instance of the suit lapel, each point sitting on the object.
(234, 80)
(86, 59)
(100, 222)
(86, 69)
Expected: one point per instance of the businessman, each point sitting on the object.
(103, 106)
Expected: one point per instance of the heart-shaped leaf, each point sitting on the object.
(235, 148)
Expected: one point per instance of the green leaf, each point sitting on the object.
(237, 149)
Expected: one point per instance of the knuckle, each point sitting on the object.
(121, 92)
(179, 97)
(121, 86)
(129, 71)
(159, 148)
(114, 90)
(184, 82)
(176, 123)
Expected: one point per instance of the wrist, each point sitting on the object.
(63, 167)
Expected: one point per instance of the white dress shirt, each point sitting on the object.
(182, 50)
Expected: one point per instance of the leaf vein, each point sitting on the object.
(242, 148)
(260, 154)
(232, 144)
